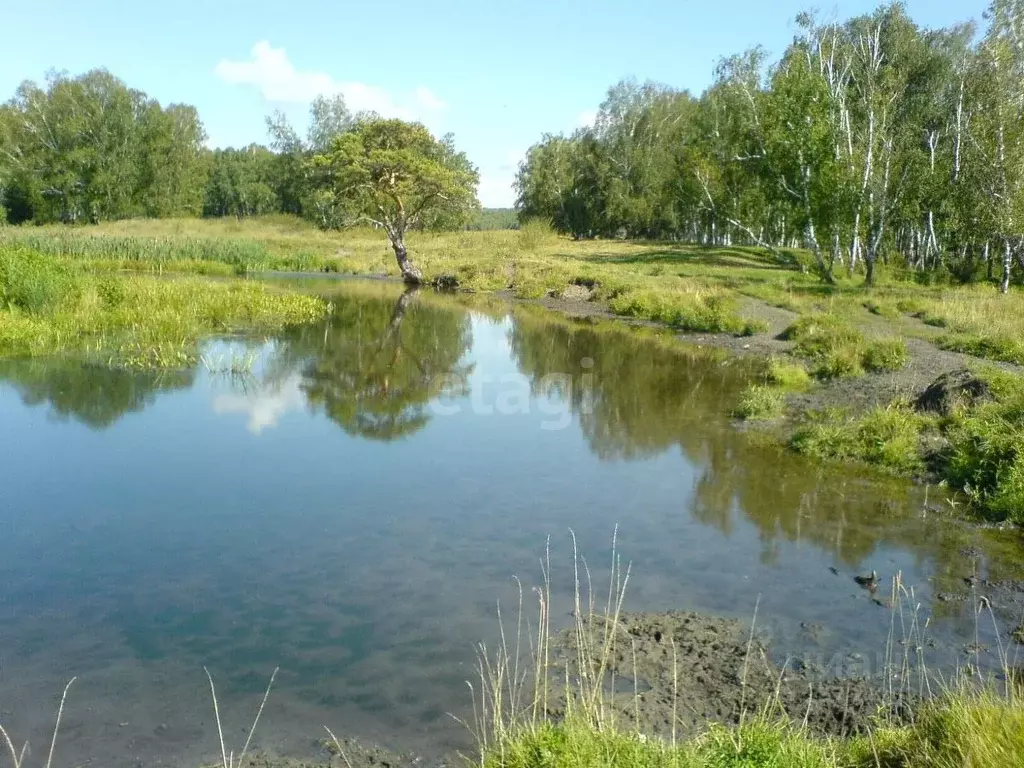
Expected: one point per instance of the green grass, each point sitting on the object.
(788, 376)
(50, 306)
(974, 723)
(691, 287)
(761, 403)
(984, 444)
(986, 453)
(701, 309)
(970, 727)
(839, 350)
(885, 355)
(887, 438)
(576, 744)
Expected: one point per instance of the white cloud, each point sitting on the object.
(269, 69)
(586, 118)
(495, 190)
(265, 407)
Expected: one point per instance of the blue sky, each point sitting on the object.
(498, 75)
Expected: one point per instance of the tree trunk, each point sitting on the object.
(1007, 264)
(410, 274)
(869, 269)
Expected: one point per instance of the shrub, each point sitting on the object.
(761, 403)
(886, 355)
(533, 233)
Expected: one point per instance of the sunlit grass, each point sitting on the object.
(888, 438)
(49, 306)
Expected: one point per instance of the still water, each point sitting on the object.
(349, 501)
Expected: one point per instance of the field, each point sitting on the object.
(844, 365)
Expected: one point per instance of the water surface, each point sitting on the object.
(348, 501)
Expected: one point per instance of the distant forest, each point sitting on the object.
(90, 148)
(867, 138)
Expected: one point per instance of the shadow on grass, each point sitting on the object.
(675, 254)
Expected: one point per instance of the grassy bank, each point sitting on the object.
(972, 722)
(690, 287)
(53, 305)
(968, 729)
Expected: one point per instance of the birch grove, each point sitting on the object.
(868, 142)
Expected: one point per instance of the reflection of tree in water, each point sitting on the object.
(649, 394)
(380, 360)
(91, 394)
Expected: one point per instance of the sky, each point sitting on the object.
(497, 75)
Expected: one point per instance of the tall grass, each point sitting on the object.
(48, 306)
(228, 759)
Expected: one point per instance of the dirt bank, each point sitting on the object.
(926, 362)
(698, 669)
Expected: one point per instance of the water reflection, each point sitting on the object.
(378, 363)
(94, 395)
(249, 521)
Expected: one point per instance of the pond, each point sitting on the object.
(349, 501)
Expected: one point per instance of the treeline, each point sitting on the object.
(89, 148)
(869, 140)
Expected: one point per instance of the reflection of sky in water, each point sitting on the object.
(227, 521)
(263, 405)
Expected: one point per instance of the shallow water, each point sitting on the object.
(351, 502)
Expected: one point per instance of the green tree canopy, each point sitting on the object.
(396, 175)
(91, 148)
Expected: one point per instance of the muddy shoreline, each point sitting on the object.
(685, 667)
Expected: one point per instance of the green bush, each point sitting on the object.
(533, 233)
(886, 355)
(31, 281)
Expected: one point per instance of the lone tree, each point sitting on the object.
(396, 175)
